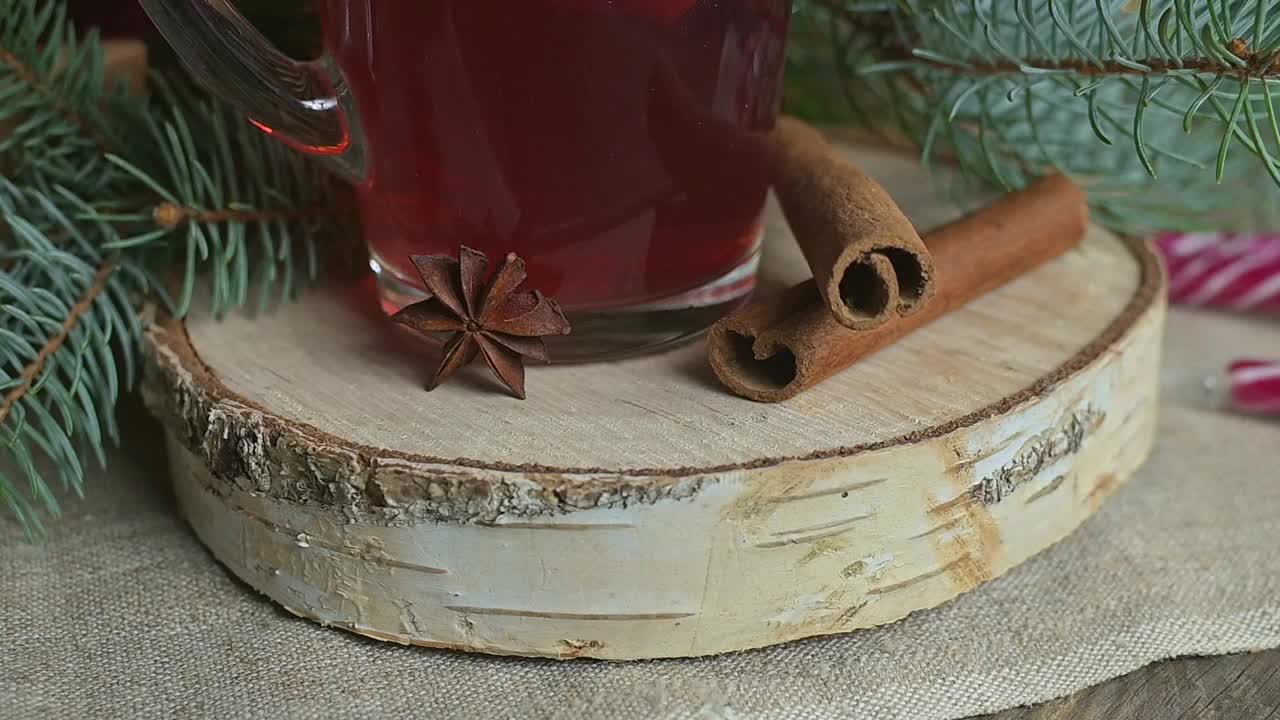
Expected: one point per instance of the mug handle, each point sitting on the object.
(306, 105)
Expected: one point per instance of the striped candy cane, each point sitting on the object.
(1231, 272)
(1255, 386)
(1221, 270)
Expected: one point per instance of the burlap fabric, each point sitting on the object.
(122, 614)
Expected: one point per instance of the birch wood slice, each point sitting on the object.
(634, 509)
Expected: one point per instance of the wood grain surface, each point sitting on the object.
(357, 381)
(1230, 687)
(635, 509)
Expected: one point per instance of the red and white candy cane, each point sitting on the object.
(1222, 270)
(1231, 272)
(1255, 386)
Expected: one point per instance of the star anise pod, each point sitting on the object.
(496, 321)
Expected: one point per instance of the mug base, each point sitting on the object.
(601, 335)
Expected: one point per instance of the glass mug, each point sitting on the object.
(539, 127)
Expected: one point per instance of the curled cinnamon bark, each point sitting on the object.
(868, 261)
(870, 264)
(775, 348)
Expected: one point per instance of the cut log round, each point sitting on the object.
(635, 509)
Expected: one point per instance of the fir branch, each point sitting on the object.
(1149, 104)
(101, 198)
(33, 370)
(1256, 66)
(27, 75)
(63, 323)
(171, 216)
(55, 95)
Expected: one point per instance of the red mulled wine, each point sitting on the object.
(530, 126)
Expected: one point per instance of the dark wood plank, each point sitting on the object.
(1231, 687)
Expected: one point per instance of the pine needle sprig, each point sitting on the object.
(65, 318)
(53, 97)
(107, 201)
(1149, 102)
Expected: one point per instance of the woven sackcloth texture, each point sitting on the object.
(122, 614)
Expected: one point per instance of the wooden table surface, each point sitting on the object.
(1230, 687)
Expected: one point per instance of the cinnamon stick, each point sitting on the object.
(868, 261)
(775, 348)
